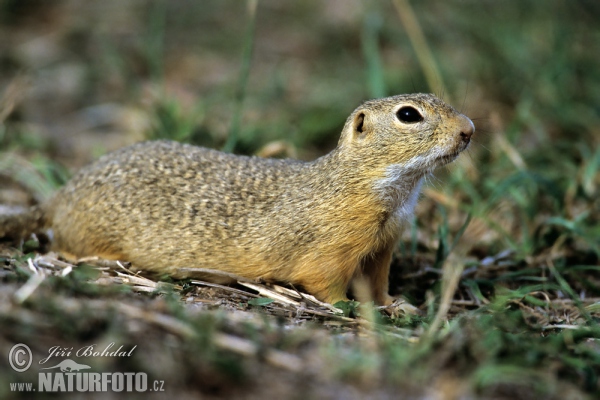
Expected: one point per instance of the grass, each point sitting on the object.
(503, 256)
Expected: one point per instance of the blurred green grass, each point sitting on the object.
(217, 75)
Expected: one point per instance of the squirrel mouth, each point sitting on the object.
(448, 158)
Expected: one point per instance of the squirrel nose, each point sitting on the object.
(467, 129)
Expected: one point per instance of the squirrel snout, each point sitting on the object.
(466, 130)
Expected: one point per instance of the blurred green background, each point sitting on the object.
(519, 211)
(525, 69)
(79, 78)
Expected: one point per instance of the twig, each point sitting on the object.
(197, 272)
(247, 348)
(223, 287)
(305, 296)
(29, 287)
(264, 291)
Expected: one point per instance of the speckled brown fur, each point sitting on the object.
(164, 205)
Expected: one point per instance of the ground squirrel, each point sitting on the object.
(164, 206)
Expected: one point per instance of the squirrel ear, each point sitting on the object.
(358, 125)
(356, 128)
(359, 122)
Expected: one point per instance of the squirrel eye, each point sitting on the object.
(409, 114)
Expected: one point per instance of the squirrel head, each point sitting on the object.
(415, 132)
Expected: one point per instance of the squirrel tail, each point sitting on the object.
(20, 225)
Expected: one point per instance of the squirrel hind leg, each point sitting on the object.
(327, 294)
(329, 282)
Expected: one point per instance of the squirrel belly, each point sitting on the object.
(166, 206)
